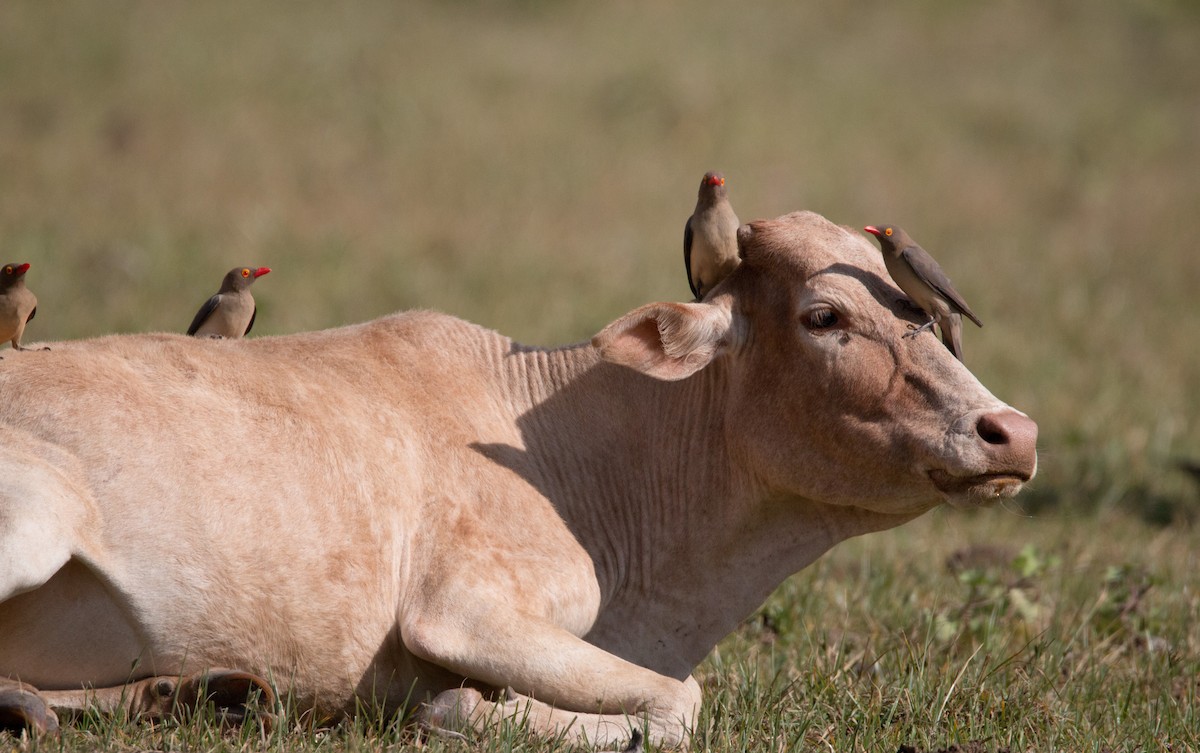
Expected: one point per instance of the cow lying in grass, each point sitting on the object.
(419, 511)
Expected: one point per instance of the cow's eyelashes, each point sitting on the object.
(822, 318)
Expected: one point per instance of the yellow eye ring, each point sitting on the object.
(887, 231)
(245, 273)
(8, 270)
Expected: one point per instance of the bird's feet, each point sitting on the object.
(916, 330)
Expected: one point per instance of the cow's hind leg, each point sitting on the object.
(23, 708)
(39, 524)
(231, 697)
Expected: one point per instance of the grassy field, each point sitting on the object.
(529, 165)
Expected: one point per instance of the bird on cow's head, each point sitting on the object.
(710, 250)
(922, 280)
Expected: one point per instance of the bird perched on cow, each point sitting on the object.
(710, 250)
(230, 313)
(922, 280)
(18, 304)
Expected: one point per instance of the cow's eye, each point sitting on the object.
(822, 318)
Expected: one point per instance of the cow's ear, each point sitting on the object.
(666, 340)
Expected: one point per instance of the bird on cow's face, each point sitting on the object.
(18, 304)
(231, 311)
(922, 280)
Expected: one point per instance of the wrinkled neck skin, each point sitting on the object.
(684, 546)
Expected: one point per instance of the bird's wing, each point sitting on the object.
(205, 311)
(932, 275)
(249, 326)
(687, 256)
(32, 313)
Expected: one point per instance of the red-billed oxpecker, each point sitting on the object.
(710, 250)
(18, 304)
(230, 313)
(922, 280)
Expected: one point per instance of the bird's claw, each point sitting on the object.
(913, 330)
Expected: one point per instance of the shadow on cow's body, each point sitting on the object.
(415, 509)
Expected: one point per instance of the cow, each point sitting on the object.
(416, 514)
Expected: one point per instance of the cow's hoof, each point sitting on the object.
(22, 709)
(449, 714)
(233, 696)
(635, 742)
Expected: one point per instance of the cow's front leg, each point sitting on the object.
(465, 708)
(564, 685)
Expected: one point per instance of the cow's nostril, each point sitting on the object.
(1008, 439)
(991, 428)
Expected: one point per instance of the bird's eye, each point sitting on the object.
(8, 270)
(822, 318)
(887, 231)
(245, 273)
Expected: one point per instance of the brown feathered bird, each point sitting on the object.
(922, 280)
(710, 249)
(230, 313)
(18, 304)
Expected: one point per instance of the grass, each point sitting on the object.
(989, 628)
(529, 165)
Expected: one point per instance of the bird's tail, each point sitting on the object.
(952, 327)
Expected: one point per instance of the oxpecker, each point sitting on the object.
(922, 280)
(18, 304)
(710, 250)
(230, 313)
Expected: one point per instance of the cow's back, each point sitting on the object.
(271, 483)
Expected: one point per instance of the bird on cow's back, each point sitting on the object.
(922, 280)
(231, 311)
(18, 304)
(710, 250)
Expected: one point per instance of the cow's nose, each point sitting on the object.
(1010, 440)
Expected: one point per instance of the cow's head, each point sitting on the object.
(827, 399)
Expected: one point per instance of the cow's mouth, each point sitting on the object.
(978, 489)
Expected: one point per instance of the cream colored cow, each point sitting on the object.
(416, 509)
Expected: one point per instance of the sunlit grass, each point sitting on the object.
(529, 166)
(991, 629)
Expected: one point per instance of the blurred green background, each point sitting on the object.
(529, 166)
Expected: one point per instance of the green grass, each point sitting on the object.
(529, 166)
(992, 628)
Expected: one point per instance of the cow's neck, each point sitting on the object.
(684, 544)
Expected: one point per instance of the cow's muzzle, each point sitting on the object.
(1003, 445)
